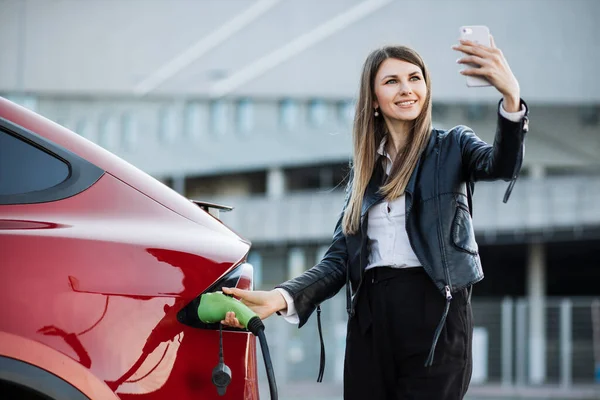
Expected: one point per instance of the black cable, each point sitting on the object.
(256, 326)
(221, 358)
(268, 365)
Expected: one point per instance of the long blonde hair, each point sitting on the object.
(369, 131)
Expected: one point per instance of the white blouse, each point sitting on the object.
(386, 231)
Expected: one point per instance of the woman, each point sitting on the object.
(404, 244)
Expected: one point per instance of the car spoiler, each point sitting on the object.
(212, 208)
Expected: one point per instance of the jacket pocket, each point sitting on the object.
(463, 234)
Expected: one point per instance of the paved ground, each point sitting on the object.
(328, 391)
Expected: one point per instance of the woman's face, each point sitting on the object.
(400, 90)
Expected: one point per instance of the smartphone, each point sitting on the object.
(478, 34)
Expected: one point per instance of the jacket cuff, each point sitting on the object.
(290, 315)
(512, 116)
(302, 305)
(510, 135)
(508, 120)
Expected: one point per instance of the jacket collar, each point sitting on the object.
(372, 195)
(410, 186)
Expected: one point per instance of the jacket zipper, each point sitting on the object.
(448, 286)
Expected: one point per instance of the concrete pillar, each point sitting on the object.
(179, 184)
(521, 342)
(507, 341)
(566, 343)
(536, 293)
(276, 184)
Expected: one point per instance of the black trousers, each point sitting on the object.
(391, 333)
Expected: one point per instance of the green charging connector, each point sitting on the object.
(214, 306)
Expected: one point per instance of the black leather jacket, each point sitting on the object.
(438, 216)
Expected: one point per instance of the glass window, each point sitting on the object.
(346, 110)
(310, 178)
(245, 115)
(317, 113)
(288, 114)
(25, 168)
(129, 130)
(108, 132)
(193, 120)
(167, 124)
(218, 117)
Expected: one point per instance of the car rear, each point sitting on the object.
(104, 269)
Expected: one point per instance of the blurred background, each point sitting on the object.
(250, 103)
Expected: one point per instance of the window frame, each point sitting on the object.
(82, 173)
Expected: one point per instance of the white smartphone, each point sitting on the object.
(478, 34)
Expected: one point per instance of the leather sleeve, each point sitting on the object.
(503, 160)
(325, 279)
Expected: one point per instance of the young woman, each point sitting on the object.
(404, 244)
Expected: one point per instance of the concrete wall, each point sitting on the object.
(188, 144)
(288, 48)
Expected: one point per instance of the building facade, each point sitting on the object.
(254, 110)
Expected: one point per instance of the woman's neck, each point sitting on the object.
(398, 134)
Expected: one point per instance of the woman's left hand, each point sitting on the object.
(493, 67)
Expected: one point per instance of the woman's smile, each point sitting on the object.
(406, 103)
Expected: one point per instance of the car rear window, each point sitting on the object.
(25, 168)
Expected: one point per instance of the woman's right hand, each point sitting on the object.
(262, 303)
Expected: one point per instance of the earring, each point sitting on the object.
(376, 113)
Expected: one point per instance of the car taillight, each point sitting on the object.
(241, 277)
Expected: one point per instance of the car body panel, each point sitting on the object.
(99, 278)
(32, 352)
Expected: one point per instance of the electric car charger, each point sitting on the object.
(212, 309)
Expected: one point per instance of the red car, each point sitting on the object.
(101, 270)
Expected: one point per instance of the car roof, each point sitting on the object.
(110, 163)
